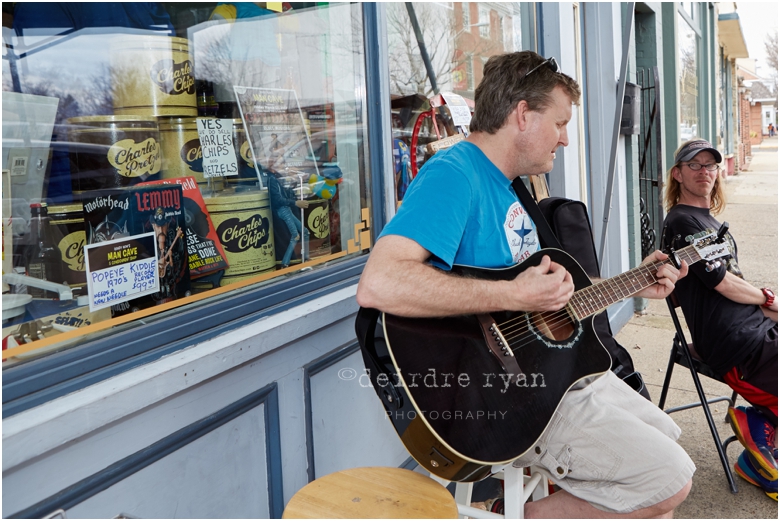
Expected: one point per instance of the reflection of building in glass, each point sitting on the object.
(473, 46)
(458, 40)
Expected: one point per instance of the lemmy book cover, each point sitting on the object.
(204, 249)
(124, 212)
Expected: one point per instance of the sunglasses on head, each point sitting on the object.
(550, 63)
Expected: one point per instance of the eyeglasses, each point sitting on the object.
(698, 166)
(550, 63)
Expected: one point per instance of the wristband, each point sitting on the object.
(770, 297)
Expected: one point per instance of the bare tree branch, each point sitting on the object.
(770, 45)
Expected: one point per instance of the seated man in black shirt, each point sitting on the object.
(734, 324)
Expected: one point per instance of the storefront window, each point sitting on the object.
(161, 155)
(689, 84)
(458, 38)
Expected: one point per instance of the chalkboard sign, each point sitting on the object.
(121, 270)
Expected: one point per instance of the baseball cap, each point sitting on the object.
(688, 151)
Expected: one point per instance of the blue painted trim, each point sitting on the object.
(122, 469)
(273, 453)
(374, 101)
(309, 370)
(409, 464)
(722, 17)
(58, 374)
(539, 28)
(585, 116)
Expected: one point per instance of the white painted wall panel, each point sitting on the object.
(220, 475)
(349, 426)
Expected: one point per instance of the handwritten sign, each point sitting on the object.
(121, 270)
(461, 114)
(216, 144)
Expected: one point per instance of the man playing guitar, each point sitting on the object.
(613, 453)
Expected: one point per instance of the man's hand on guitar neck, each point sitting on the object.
(667, 276)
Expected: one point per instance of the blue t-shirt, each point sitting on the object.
(463, 210)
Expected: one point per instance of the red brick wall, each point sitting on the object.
(755, 124)
(744, 149)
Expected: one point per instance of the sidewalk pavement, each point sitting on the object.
(752, 215)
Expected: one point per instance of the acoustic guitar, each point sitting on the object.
(470, 394)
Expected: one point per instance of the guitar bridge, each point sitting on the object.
(497, 344)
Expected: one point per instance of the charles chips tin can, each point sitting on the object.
(68, 223)
(153, 76)
(243, 224)
(317, 220)
(112, 151)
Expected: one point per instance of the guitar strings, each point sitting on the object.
(561, 318)
(580, 299)
(556, 326)
(579, 295)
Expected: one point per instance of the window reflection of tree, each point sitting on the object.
(82, 92)
(450, 43)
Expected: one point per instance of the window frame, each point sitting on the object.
(484, 25)
(51, 376)
(694, 26)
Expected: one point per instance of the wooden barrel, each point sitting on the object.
(112, 151)
(243, 224)
(152, 76)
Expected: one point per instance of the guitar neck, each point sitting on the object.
(598, 297)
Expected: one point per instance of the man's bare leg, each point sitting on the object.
(564, 505)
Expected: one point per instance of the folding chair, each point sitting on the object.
(684, 354)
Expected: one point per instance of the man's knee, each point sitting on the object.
(671, 503)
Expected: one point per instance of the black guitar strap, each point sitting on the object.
(546, 235)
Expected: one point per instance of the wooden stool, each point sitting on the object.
(372, 492)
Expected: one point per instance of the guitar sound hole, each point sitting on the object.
(555, 325)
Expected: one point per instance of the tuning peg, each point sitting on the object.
(722, 230)
(712, 265)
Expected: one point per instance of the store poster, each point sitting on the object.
(459, 110)
(119, 213)
(121, 270)
(277, 130)
(204, 249)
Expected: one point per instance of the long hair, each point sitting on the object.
(672, 191)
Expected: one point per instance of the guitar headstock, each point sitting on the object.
(711, 246)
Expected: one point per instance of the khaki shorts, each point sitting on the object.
(611, 447)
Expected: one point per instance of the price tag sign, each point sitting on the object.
(216, 144)
(121, 270)
(461, 114)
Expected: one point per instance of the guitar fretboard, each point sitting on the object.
(598, 297)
